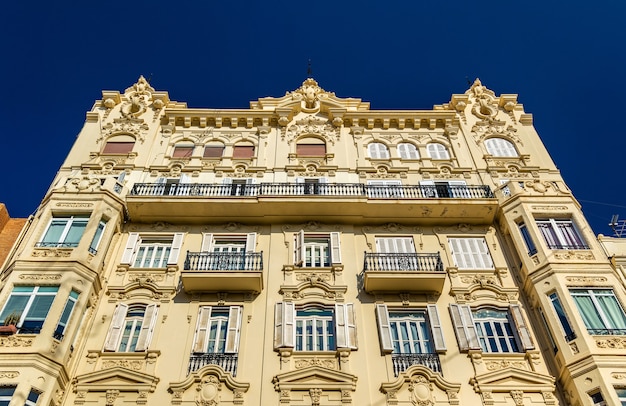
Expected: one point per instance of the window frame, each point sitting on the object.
(72, 223)
(561, 315)
(118, 147)
(304, 249)
(215, 148)
(501, 148)
(66, 315)
(183, 150)
(555, 238)
(527, 238)
(135, 241)
(6, 394)
(607, 322)
(230, 325)
(97, 237)
(243, 151)
(34, 298)
(432, 324)
(437, 151)
(407, 150)
(377, 150)
(470, 253)
(139, 337)
(496, 333)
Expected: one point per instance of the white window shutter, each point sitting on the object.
(284, 321)
(202, 329)
(250, 242)
(207, 242)
(522, 329)
(335, 248)
(384, 331)
(485, 255)
(464, 327)
(299, 254)
(457, 252)
(177, 242)
(227, 181)
(115, 330)
(435, 327)
(184, 178)
(129, 250)
(351, 326)
(234, 327)
(147, 327)
(341, 325)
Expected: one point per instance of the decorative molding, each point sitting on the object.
(9, 374)
(135, 365)
(615, 343)
(586, 279)
(52, 252)
(549, 208)
(314, 126)
(315, 361)
(497, 365)
(41, 276)
(74, 205)
(579, 255)
(16, 341)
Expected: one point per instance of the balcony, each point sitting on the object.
(401, 362)
(223, 272)
(228, 362)
(403, 272)
(343, 202)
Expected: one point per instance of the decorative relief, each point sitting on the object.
(74, 205)
(52, 252)
(616, 375)
(15, 341)
(111, 395)
(9, 374)
(617, 343)
(488, 127)
(313, 277)
(518, 397)
(316, 395)
(310, 93)
(586, 279)
(324, 363)
(481, 280)
(584, 255)
(421, 391)
(41, 276)
(126, 125)
(483, 101)
(208, 391)
(549, 208)
(497, 365)
(143, 278)
(135, 365)
(312, 125)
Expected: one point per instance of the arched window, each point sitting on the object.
(213, 150)
(121, 144)
(437, 151)
(500, 147)
(378, 150)
(311, 147)
(183, 150)
(243, 150)
(408, 151)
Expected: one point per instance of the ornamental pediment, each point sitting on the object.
(315, 377)
(510, 379)
(118, 378)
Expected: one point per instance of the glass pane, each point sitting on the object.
(53, 235)
(40, 307)
(15, 305)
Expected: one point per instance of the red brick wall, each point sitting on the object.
(9, 231)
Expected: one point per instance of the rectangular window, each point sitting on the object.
(183, 151)
(621, 395)
(32, 398)
(59, 331)
(6, 394)
(28, 306)
(239, 187)
(131, 327)
(317, 250)
(384, 189)
(600, 310)
(409, 332)
(213, 151)
(95, 242)
(470, 253)
(597, 399)
(563, 320)
(311, 186)
(228, 252)
(494, 331)
(152, 251)
(64, 231)
(530, 245)
(118, 147)
(243, 151)
(315, 328)
(311, 149)
(218, 330)
(445, 189)
(561, 234)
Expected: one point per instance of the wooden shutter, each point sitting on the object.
(147, 327)
(384, 330)
(177, 242)
(345, 326)
(522, 329)
(115, 330)
(207, 242)
(299, 254)
(284, 321)
(202, 329)
(464, 327)
(129, 250)
(234, 327)
(335, 248)
(250, 242)
(435, 328)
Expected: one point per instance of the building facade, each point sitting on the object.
(310, 251)
(10, 229)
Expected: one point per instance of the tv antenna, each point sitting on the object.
(618, 226)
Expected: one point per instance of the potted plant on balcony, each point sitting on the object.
(10, 324)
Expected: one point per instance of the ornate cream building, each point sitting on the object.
(310, 251)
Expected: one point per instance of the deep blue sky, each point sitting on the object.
(566, 60)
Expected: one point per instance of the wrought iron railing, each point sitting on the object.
(401, 362)
(48, 244)
(228, 362)
(403, 262)
(557, 246)
(224, 261)
(607, 331)
(319, 189)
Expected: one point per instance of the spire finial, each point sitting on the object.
(309, 70)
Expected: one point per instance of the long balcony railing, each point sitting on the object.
(228, 362)
(221, 261)
(318, 189)
(607, 331)
(402, 362)
(403, 262)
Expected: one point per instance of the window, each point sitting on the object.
(243, 151)
(95, 242)
(29, 305)
(470, 253)
(445, 189)
(217, 330)
(600, 311)
(152, 251)
(530, 245)
(317, 250)
(437, 151)
(560, 313)
(394, 253)
(239, 187)
(118, 148)
(412, 331)
(213, 151)
(597, 399)
(314, 327)
(311, 147)
(491, 330)
(131, 328)
(6, 394)
(561, 234)
(621, 395)
(32, 398)
(377, 150)
(228, 252)
(311, 186)
(385, 189)
(500, 147)
(408, 151)
(59, 331)
(182, 151)
(64, 231)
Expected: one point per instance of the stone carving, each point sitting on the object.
(9, 374)
(586, 279)
(316, 395)
(313, 277)
(549, 208)
(586, 256)
(111, 395)
(208, 391)
(421, 391)
(126, 125)
(133, 365)
(52, 252)
(497, 365)
(618, 343)
(310, 93)
(485, 128)
(616, 375)
(143, 278)
(481, 280)
(325, 363)
(41, 276)
(14, 341)
(483, 106)
(58, 397)
(518, 397)
(74, 205)
(312, 125)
